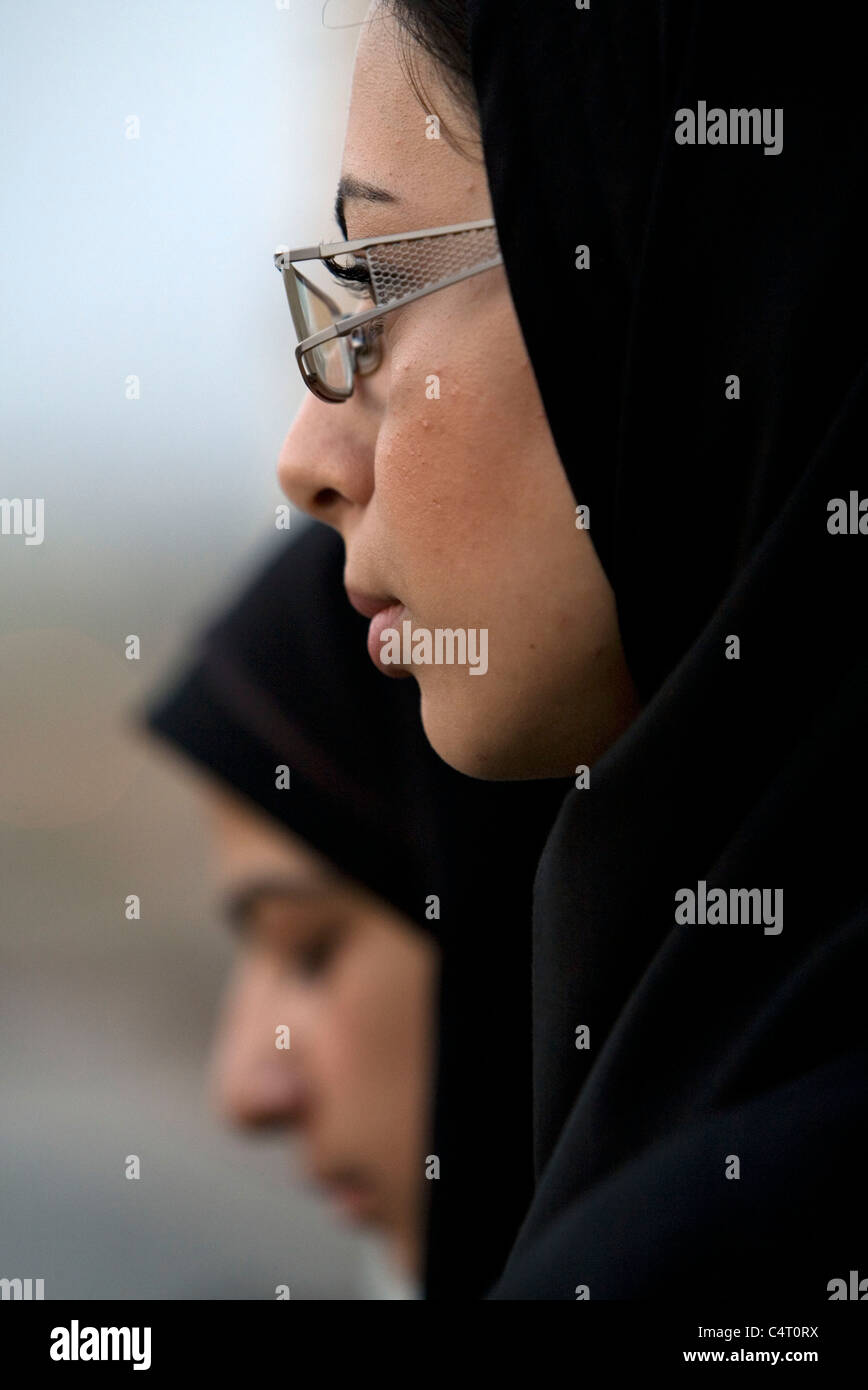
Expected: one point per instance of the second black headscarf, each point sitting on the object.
(282, 677)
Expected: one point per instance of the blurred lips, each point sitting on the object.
(351, 1192)
(355, 1200)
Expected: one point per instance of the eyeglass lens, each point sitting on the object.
(331, 362)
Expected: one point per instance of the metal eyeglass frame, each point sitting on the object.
(364, 349)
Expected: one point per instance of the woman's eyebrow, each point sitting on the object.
(235, 902)
(351, 187)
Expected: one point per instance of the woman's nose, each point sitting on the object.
(258, 1087)
(326, 464)
(253, 1081)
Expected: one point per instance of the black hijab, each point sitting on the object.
(711, 517)
(283, 677)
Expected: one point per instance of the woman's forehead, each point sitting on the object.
(392, 142)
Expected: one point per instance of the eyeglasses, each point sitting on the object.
(333, 342)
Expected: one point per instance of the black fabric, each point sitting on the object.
(710, 516)
(283, 677)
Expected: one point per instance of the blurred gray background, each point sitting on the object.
(148, 257)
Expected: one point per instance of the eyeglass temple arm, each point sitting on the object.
(285, 257)
(352, 321)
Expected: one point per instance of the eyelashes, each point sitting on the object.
(356, 277)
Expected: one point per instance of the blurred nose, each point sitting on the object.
(254, 1083)
(326, 464)
(261, 1093)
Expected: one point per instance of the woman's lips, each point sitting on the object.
(352, 1191)
(384, 612)
(354, 1200)
(387, 617)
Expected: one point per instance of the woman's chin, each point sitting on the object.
(476, 737)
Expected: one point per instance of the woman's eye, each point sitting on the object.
(312, 958)
(356, 277)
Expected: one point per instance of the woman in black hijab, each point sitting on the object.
(281, 678)
(723, 369)
(691, 287)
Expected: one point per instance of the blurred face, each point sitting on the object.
(456, 512)
(353, 982)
